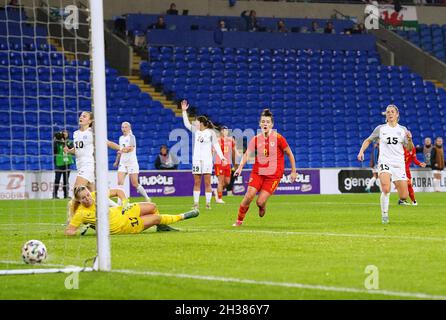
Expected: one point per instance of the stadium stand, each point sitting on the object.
(430, 38)
(324, 99)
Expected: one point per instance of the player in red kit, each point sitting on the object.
(269, 148)
(409, 157)
(223, 172)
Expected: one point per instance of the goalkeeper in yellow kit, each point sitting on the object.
(126, 219)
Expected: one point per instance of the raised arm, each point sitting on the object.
(184, 107)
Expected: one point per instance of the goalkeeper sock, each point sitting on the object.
(169, 219)
(242, 212)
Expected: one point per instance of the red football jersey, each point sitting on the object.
(410, 157)
(270, 160)
(227, 146)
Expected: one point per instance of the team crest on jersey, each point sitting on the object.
(272, 144)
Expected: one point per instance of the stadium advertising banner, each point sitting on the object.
(336, 181)
(39, 185)
(180, 183)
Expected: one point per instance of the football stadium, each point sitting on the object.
(222, 150)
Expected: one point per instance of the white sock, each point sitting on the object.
(196, 197)
(142, 192)
(371, 182)
(436, 184)
(208, 197)
(385, 204)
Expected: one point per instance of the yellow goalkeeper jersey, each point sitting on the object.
(88, 215)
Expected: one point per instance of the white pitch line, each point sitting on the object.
(417, 295)
(325, 234)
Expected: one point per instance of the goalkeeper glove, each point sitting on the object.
(125, 205)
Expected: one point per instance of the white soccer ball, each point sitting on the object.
(34, 251)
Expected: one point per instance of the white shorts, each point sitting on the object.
(86, 172)
(202, 167)
(398, 173)
(130, 169)
(375, 169)
(436, 171)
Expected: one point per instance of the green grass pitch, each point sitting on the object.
(306, 247)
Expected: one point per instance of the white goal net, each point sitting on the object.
(46, 80)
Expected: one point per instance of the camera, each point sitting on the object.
(59, 135)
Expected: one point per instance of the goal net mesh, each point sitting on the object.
(45, 84)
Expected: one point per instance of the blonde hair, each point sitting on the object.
(127, 123)
(76, 202)
(396, 109)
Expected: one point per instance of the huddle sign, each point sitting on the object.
(180, 183)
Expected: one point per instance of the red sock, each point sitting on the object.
(411, 192)
(220, 195)
(242, 212)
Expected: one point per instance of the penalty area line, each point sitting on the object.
(416, 295)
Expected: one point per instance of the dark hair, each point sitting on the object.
(267, 113)
(205, 121)
(59, 135)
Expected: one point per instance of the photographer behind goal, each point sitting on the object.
(62, 161)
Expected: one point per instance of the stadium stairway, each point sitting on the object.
(438, 84)
(55, 43)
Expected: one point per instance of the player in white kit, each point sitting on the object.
(127, 160)
(391, 166)
(204, 138)
(84, 153)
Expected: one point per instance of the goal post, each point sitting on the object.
(49, 74)
(100, 113)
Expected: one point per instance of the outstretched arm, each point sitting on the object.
(70, 230)
(290, 155)
(112, 145)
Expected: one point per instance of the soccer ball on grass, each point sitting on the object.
(34, 251)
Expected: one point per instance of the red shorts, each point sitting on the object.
(222, 170)
(263, 183)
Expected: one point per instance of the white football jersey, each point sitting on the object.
(128, 158)
(203, 141)
(391, 141)
(84, 148)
